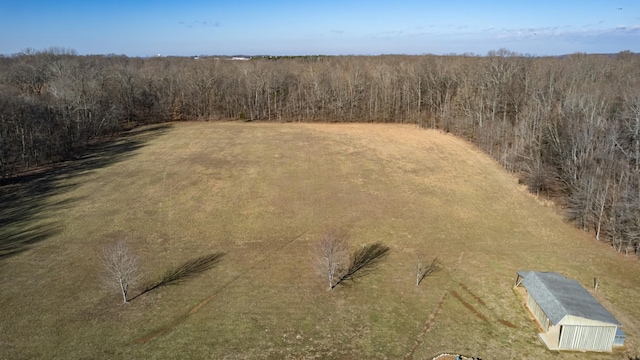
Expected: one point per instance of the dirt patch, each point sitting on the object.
(427, 326)
(484, 304)
(505, 322)
(433, 316)
(470, 307)
(478, 299)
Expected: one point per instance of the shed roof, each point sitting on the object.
(558, 297)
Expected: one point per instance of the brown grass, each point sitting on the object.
(476, 297)
(261, 193)
(469, 307)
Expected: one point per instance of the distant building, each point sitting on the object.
(240, 58)
(570, 317)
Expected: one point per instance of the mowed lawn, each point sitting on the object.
(262, 193)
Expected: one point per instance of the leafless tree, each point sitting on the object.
(331, 255)
(121, 267)
(424, 269)
(555, 122)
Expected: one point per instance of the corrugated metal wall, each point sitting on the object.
(620, 337)
(576, 337)
(538, 313)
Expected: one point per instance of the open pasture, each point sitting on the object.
(262, 193)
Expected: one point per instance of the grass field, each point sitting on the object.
(262, 193)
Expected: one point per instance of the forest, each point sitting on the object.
(568, 127)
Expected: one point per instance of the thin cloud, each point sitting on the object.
(548, 31)
(442, 26)
(564, 33)
(199, 23)
(387, 34)
(593, 24)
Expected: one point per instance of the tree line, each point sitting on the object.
(568, 126)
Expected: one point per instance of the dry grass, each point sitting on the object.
(262, 193)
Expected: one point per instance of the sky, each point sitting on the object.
(327, 27)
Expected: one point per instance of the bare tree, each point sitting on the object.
(331, 255)
(555, 122)
(422, 269)
(121, 267)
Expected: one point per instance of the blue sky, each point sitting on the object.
(251, 27)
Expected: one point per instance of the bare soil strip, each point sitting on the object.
(427, 326)
(484, 304)
(478, 299)
(470, 307)
(433, 316)
(506, 323)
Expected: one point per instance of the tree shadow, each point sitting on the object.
(26, 201)
(184, 271)
(363, 261)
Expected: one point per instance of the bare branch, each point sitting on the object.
(331, 255)
(121, 267)
(423, 270)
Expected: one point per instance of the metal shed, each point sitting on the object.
(570, 317)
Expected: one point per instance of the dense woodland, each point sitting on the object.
(569, 127)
